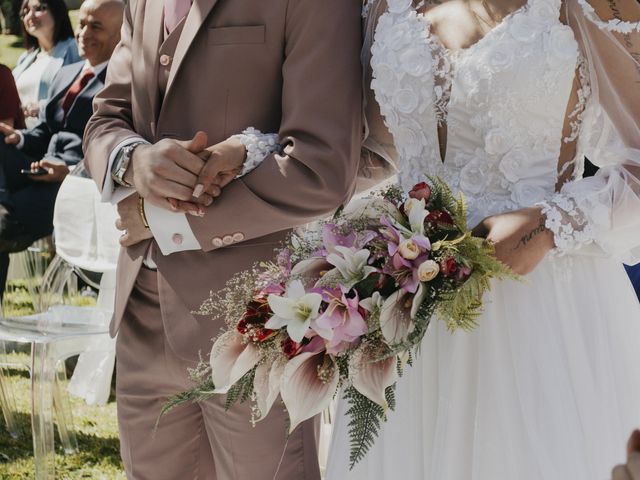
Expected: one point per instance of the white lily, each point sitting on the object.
(372, 303)
(352, 265)
(417, 213)
(295, 310)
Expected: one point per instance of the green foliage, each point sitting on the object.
(241, 390)
(366, 417)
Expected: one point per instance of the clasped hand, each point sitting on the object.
(181, 176)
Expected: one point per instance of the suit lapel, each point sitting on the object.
(197, 15)
(152, 36)
(90, 90)
(71, 74)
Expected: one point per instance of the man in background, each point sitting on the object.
(33, 162)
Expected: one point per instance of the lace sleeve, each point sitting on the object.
(258, 145)
(602, 213)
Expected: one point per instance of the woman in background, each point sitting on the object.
(48, 37)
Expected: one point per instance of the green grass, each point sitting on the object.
(11, 46)
(10, 49)
(96, 427)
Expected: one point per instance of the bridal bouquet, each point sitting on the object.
(344, 308)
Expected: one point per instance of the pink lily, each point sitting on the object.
(344, 317)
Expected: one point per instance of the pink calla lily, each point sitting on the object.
(371, 378)
(303, 392)
(266, 385)
(230, 359)
(395, 319)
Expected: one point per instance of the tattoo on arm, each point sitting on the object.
(529, 236)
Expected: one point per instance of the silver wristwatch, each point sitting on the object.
(121, 163)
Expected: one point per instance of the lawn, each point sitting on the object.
(96, 427)
(10, 49)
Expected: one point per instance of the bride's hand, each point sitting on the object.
(520, 237)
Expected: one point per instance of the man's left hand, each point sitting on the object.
(130, 222)
(57, 170)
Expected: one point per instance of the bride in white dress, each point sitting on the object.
(504, 100)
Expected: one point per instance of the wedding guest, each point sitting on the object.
(10, 108)
(54, 145)
(48, 38)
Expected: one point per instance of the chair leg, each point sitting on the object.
(8, 407)
(7, 400)
(63, 412)
(42, 387)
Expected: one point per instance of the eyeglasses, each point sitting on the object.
(36, 10)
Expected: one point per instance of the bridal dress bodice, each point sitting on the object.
(522, 108)
(503, 101)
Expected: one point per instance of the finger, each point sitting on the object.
(209, 175)
(178, 174)
(214, 190)
(12, 139)
(191, 208)
(119, 224)
(124, 239)
(620, 473)
(634, 442)
(165, 188)
(633, 465)
(197, 144)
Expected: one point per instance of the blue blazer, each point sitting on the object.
(65, 52)
(63, 140)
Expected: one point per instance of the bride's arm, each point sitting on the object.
(600, 214)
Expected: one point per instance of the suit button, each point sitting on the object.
(216, 242)
(177, 239)
(165, 60)
(238, 237)
(227, 239)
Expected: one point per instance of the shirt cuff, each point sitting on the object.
(111, 191)
(171, 230)
(20, 144)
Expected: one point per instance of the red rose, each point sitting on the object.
(449, 267)
(262, 334)
(242, 327)
(258, 312)
(421, 191)
(290, 348)
(440, 217)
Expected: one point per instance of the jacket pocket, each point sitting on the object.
(236, 35)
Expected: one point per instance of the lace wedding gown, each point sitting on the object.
(548, 386)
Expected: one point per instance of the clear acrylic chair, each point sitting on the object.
(86, 239)
(55, 335)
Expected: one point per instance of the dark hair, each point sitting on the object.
(62, 24)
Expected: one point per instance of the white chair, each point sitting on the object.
(86, 238)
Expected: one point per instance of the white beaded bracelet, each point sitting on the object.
(259, 146)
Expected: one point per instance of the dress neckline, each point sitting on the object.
(457, 53)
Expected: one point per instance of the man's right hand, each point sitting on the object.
(166, 173)
(11, 136)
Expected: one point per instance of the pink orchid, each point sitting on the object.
(344, 317)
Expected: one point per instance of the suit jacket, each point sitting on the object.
(63, 140)
(65, 52)
(287, 66)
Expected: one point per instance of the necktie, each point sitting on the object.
(174, 12)
(75, 88)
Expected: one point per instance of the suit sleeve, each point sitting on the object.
(320, 131)
(111, 123)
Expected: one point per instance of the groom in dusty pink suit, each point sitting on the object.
(231, 69)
